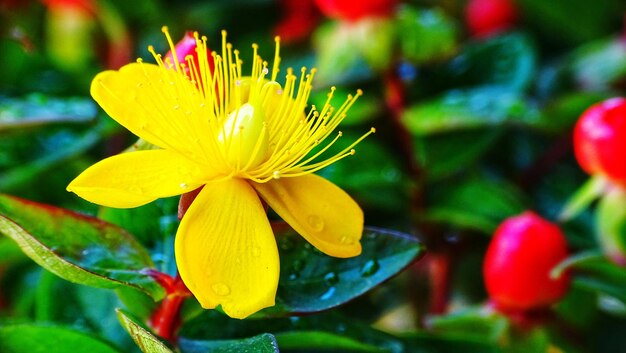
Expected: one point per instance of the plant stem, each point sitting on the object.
(437, 264)
(165, 321)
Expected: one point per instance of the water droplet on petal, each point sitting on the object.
(256, 251)
(316, 223)
(221, 289)
(183, 185)
(347, 240)
(331, 278)
(276, 174)
(369, 268)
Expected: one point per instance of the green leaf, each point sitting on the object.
(486, 106)
(474, 323)
(320, 340)
(38, 110)
(601, 276)
(476, 204)
(30, 338)
(77, 248)
(146, 340)
(263, 343)
(433, 343)
(562, 112)
(553, 19)
(311, 281)
(508, 61)
(599, 65)
(444, 154)
(427, 34)
(211, 325)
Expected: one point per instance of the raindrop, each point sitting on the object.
(183, 185)
(328, 294)
(276, 174)
(369, 268)
(135, 189)
(347, 240)
(221, 289)
(331, 278)
(256, 251)
(293, 276)
(316, 223)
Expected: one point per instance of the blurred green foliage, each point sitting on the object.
(470, 131)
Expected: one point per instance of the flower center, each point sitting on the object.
(244, 137)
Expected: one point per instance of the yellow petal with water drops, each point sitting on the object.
(225, 249)
(159, 105)
(320, 211)
(136, 178)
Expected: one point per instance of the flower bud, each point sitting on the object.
(488, 17)
(600, 140)
(522, 252)
(349, 10)
(187, 47)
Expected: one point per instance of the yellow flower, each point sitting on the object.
(243, 139)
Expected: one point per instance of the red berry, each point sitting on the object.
(350, 10)
(522, 252)
(600, 139)
(487, 17)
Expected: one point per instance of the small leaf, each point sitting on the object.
(30, 338)
(311, 281)
(146, 340)
(78, 248)
(263, 343)
(601, 276)
(611, 225)
(440, 343)
(583, 197)
(469, 108)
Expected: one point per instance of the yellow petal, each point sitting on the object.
(225, 249)
(320, 211)
(159, 105)
(136, 178)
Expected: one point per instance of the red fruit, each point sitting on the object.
(487, 17)
(522, 252)
(600, 139)
(350, 10)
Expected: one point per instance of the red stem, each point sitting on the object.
(165, 321)
(439, 273)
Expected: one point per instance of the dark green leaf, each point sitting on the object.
(39, 110)
(553, 19)
(320, 340)
(146, 340)
(426, 34)
(311, 281)
(469, 108)
(46, 339)
(445, 154)
(212, 325)
(508, 61)
(429, 343)
(263, 343)
(601, 276)
(77, 248)
(475, 204)
(474, 324)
